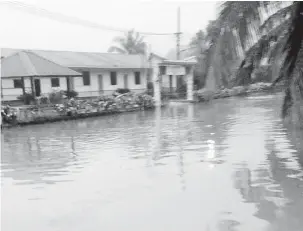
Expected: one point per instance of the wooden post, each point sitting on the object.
(1, 90)
(33, 87)
(23, 85)
(67, 83)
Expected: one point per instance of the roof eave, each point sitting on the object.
(41, 76)
(99, 67)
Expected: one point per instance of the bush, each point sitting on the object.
(56, 97)
(150, 89)
(182, 89)
(27, 98)
(122, 90)
(71, 94)
(42, 100)
(150, 86)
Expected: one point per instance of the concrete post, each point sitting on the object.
(190, 84)
(156, 83)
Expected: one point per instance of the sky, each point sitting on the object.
(20, 29)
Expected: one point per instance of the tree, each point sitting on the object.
(279, 39)
(131, 43)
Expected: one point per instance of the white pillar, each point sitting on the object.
(190, 84)
(156, 83)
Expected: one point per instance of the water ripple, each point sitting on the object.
(232, 162)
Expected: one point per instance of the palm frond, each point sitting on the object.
(130, 43)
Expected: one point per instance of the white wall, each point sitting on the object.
(8, 90)
(11, 93)
(94, 89)
(46, 84)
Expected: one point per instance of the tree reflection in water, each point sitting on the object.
(277, 190)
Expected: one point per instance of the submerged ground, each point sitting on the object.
(227, 165)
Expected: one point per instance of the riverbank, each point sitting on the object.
(73, 109)
(207, 95)
(52, 119)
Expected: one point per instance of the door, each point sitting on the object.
(100, 83)
(37, 87)
(125, 81)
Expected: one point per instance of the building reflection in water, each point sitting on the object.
(157, 149)
(43, 158)
(211, 153)
(180, 140)
(190, 119)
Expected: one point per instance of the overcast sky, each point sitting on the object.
(23, 30)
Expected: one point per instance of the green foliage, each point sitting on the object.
(122, 90)
(182, 89)
(150, 89)
(71, 94)
(27, 98)
(131, 43)
(56, 97)
(44, 100)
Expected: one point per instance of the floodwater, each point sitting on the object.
(229, 165)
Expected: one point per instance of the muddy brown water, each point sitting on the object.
(227, 165)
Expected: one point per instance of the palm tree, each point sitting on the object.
(281, 44)
(131, 43)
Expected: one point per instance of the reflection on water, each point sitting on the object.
(230, 165)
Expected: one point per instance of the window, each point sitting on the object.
(113, 78)
(86, 78)
(137, 78)
(18, 83)
(55, 82)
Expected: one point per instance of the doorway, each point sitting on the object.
(37, 87)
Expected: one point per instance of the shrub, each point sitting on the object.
(150, 89)
(122, 90)
(44, 100)
(182, 89)
(27, 98)
(56, 96)
(71, 94)
(150, 86)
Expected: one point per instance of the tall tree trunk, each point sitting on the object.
(293, 65)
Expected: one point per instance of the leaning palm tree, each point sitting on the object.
(281, 43)
(131, 43)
